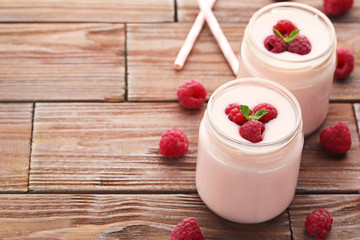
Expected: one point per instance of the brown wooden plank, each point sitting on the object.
(62, 62)
(343, 208)
(86, 11)
(15, 134)
(323, 171)
(114, 147)
(241, 11)
(224, 10)
(42, 216)
(348, 89)
(110, 147)
(152, 49)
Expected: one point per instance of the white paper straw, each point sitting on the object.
(219, 36)
(191, 38)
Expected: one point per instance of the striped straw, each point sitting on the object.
(191, 38)
(219, 36)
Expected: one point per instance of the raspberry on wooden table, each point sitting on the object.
(337, 138)
(173, 143)
(187, 229)
(191, 94)
(337, 7)
(345, 63)
(318, 223)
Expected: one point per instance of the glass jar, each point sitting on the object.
(243, 181)
(309, 77)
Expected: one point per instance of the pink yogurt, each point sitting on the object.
(243, 181)
(309, 77)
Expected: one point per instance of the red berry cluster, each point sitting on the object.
(187, 229)
(345, 62)
(337, 138)
(286, 37)
(191, 94)
(318, 223)
(337, 7)
(251, 121)
(174, 143)
(235, 115)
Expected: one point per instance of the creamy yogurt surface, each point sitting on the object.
(251, 96)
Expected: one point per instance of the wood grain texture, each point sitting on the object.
(62, 62)
(125, 217)
(69, 56)
(323, 171)
(241, 11)
(86, 11)
(114, 147)
(15, 134)
(110, 147)
(343, 208)
(152, 49)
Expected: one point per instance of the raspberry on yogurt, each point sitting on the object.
(286, 37)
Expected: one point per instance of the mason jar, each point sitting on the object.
(243, 181)
(309, 77)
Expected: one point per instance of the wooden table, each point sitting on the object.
(86, 90)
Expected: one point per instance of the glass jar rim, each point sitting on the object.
(304, 7)
(263, 83)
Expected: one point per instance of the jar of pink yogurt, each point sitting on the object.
(309, 77)
(243, 181)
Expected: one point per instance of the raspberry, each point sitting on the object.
(272, 112)
(231, 107)
(191, 94)
(337, 138)
(345, 63)
(285, 27)
(187, 229)
(337, 7)
(235, 115)
(300, 45)
(252, 131)
(318, 223)
(173, 143)
(274, 44)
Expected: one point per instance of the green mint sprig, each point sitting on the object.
(289, 38)
(254, 116)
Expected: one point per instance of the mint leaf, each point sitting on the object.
(245, 110)
(259, 114)
(254, 116)
(278, 33)
(292, 36)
